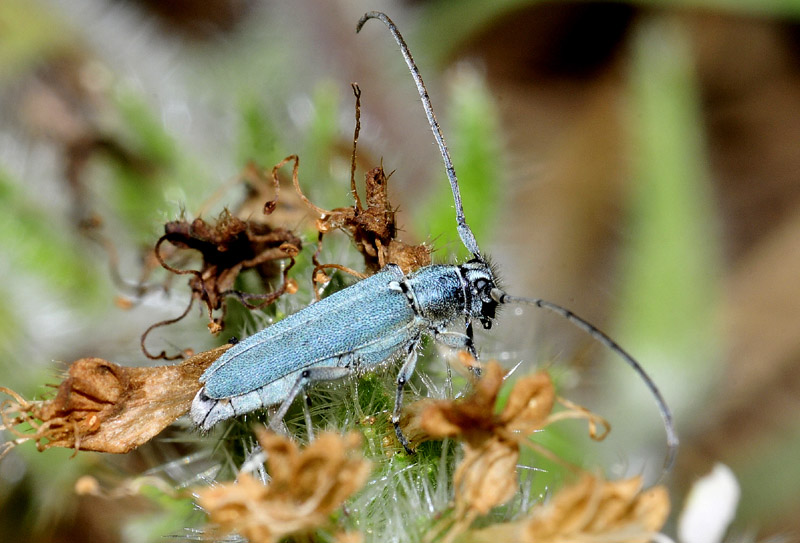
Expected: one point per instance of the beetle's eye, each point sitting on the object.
(480, 284)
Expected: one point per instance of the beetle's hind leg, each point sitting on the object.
(306, 377)
(402, 378)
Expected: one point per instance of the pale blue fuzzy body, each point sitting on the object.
(374, 321)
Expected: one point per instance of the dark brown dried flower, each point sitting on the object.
(228, 247)
(239, 240)
(105, 407)
(305, 488)
(373, 228)
(474, 420)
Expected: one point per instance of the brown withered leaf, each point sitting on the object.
(105, 407)
(305, 487)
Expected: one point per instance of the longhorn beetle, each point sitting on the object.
(376, 321)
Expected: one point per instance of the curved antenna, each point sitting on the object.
(666, 414)
(464, 231)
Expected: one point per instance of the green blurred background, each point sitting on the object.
(637, 162)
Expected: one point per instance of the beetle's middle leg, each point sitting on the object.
(402, 378)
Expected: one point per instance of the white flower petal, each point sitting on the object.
(710, 507)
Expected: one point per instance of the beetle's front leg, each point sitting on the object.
(461, 342)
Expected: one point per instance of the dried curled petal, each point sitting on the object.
(474, 419)
(485, 478)
(530, 403)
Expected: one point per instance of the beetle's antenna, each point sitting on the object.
(464, 231)
(669, 425)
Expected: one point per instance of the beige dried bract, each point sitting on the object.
(591, 510)
(485, 478)
(596, 510)
(305, 488)
(105, 407)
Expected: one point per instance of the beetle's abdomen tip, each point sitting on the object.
(206, 412)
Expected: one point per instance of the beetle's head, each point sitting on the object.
(480, 279)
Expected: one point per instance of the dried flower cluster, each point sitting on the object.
(487, 476)
(238, 240)
(228, 247)
(591, 510)
(372, 227)
(105, 407)
(305, 487)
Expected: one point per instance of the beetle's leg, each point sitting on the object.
(476, 368)
(402, 378)
(307, 376)
(307, 415)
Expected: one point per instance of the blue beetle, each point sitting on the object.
(376, 321)
(379, 320)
